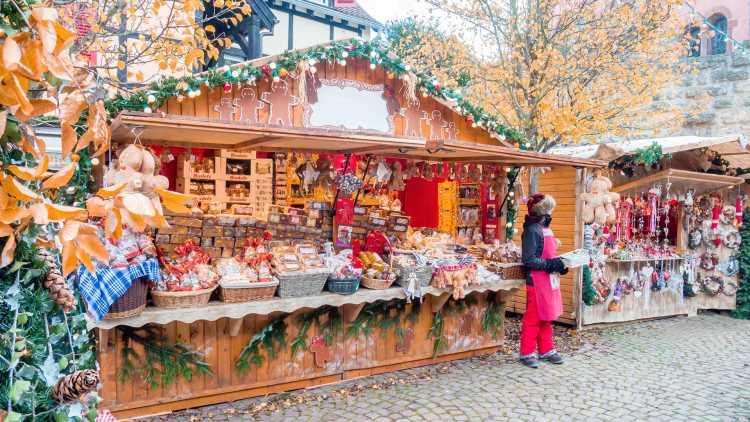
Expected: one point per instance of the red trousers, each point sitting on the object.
(535, 334)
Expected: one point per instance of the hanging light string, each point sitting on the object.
(706, 22)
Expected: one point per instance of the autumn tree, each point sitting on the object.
(564, 71)
(136, 40)
(52, 223)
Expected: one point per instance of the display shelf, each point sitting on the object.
(624, 261)
(217, 310)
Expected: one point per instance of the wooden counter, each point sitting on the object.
(221, 331)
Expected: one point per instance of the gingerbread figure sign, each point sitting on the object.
(451, 132)
(323, 353)
(280, 103)
(225, 108)
(247, 106)
(404, 342)
(437, 126)
(413, 116)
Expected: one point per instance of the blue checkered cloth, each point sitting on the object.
(102, 289)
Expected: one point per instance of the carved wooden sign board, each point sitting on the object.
(338, 101)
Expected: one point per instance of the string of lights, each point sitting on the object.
(695, 14)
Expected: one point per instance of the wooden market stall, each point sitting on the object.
(689, 262)
(349, 107)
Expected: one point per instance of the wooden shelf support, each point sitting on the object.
(437, 302)
(351, 311)
(235, 326)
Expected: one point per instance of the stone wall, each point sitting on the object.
(719, 89)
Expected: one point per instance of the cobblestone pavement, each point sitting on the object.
(681, 369)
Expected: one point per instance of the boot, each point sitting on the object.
(530, 361)
(553, 357)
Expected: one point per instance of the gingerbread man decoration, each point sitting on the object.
(280, 102)
(322, 352)
(226, 108)
(404, 342)
(437, 126)
(413, 117)
(451, 132)
(247, 106)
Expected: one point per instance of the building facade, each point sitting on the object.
(719, 85)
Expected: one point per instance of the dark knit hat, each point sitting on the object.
(533, 200)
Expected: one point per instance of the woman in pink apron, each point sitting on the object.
(543, 269)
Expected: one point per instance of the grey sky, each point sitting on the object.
(385, 10)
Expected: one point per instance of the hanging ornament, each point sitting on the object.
(151, 99)
(428, 172)
(227, 87)
(348, 183)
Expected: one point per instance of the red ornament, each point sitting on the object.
(717, 241)
(227, 87)
(715, 216)
(437, 87)
(470, 119)
(266, 69)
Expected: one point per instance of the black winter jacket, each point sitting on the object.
(532, 245)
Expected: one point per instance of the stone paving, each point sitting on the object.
(680, 369)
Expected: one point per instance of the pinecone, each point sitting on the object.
(73, 386)
(55, 283)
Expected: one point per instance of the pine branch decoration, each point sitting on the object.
(55, 282)
(75, 385)
(742, 310)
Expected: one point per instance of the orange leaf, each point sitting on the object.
(64, 212)
(62, 177)
(8, 251)
(112, 191)
(17, 87)
(41, 106)
(96, 207)
(3, 121)
(12, 54)
(93, 246)
(69, 230)
(18, 190)
(68, 139)
(85, 259)
(26, 173)
(11, 215)
(5, 230)
(134, 221)
(113, 225)
(137, 203)
(174, 201)
(69, 261)
(158, 221)
(39, 212)
(72, 107)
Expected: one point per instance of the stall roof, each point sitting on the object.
(681, 180)
(733, 148)
(206, 133)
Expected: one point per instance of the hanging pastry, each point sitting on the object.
(475, 173)
(382, 173)
(452, 171)
(428, 172)
(307, 175)
(412, 170)
(325, 174)
(397, 178)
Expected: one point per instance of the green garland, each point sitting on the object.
(436, 334)
(589, 294)
(742, 309)
(163, 361)
(157, 93)
(510, 204)
(272, 338)
(332, 327)
(649, 156)
(377, 314)
(493, 317)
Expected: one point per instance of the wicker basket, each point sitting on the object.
(377, 283)
(174, 300)
(132, 303)
(255, 291)
(302, 283)
(343, 286)
(510, 271)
